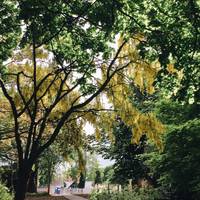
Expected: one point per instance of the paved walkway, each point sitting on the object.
(74, 197)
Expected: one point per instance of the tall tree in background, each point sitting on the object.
(97, 179)
(127, 164)
(125, 155)
(47, 164)
(81, 183)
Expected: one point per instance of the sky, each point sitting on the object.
(104, 162)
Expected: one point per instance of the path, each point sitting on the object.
(74, 197)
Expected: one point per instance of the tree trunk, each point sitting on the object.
(21, 186)
(22, 181)
(32, 182)
(49, 187)
(49, 179)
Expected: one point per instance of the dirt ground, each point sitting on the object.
(45, 198)
(83, 195)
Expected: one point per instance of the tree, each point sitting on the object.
(33, 180)
(179, 166)
(92, 165)
(81, 183)
(108, 174)
(62, 47)
(127, 165)
(97, 179)
(174, 168)
(47, 164)
(10, 30)
(171, 31)
(53, 29)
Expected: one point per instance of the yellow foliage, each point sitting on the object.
(91, 118)
(171, 69)
(97, 134)
(118, 93)
(139, 72)
(180, 74)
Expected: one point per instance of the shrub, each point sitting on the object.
(135, 194)
(179, 165)
(4, 193)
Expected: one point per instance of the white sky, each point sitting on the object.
(104, 162)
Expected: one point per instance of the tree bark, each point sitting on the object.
(21, 186)
(49, 179)
(32, 182)
(23, 173)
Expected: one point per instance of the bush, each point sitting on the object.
(135, 194)
(4, 193)
(179, 165)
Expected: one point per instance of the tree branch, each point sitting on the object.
(66, 115)
(15, 114)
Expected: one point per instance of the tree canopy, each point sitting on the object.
(59, 59)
